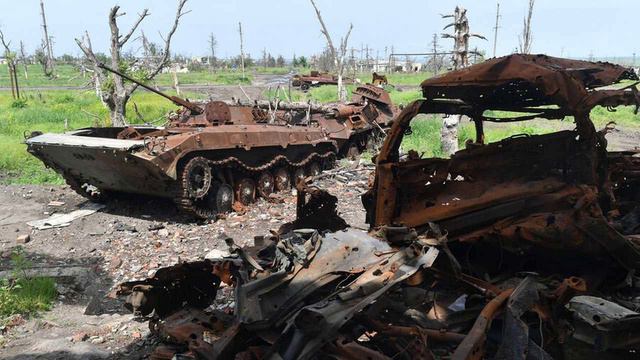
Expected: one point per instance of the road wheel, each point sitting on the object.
(198, 177)
(266, 184)
(246, 191)
(220, 197)
(304, 87)
(329, 162)
(353, 152)
(194, 190)
(298, 175)
(282, 180)
(314, 169)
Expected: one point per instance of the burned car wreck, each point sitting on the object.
(526, 248)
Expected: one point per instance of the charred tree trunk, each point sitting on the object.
(460, 36)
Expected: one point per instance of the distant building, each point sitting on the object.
(178, 68)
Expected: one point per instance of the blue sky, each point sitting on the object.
(573, 28)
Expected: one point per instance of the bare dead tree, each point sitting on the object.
(11, 58)
(111, 88)
(526, 38)
(337, 54)
(212, 46)
(241, 50)
(47, 47)
(24, 60)
(460, 36)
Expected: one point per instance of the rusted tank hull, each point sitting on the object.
(118, 169)
(205, 169)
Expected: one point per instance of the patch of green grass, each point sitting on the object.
(26, 296)
(272, 70)
(205, 78)
(66, 75)
(69, 75)
(49, 111)
(623, 116)
(329, 94)
(404, 97)
(22, 294)
(425, 136)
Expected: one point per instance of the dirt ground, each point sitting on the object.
(128, 239)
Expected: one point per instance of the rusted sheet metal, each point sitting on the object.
(525, 80)
(470, 168)
(330, 279)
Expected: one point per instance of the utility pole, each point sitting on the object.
(241, 49)
(47, 40)
(392, 61)
(264, 57)
(495, 30)
(634, 59)
(436, 67)
(212, 47)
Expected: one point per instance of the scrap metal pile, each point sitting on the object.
(522, 249)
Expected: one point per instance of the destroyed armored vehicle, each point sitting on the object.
(208, 157)
(361, 123)
(315, 78)
(526, 248)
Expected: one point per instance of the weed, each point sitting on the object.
(23, 294)
(18, 104)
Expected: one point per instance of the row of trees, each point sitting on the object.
(115, 93)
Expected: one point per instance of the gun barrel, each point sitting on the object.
(174, 99)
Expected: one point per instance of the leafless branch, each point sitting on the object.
(324, 31)
(526, 38)
(141, 17)
(167, 40)
(343, 47)
(4, 43)
(85, 45)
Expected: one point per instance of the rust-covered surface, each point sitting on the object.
(209, 155)
(361, 123)
(316, 78)
(527, 248)
(414, 192)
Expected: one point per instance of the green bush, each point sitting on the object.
(19, 104)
